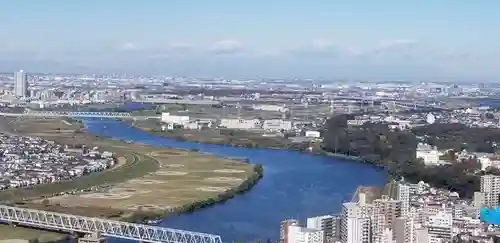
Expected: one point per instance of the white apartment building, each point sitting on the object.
(355, 224)
(387, 236)
(277, 125)
(487, 161)
(297, 234)
(429, 154)
(284, 229)
(490, 186)
(329, 224)
(240, 124)
(403, 195)
(439, 227)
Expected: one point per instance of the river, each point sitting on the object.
(295, 185)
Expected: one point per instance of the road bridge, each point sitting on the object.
(78, 114)
(109, 228)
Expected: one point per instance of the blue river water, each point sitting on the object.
(295, 185)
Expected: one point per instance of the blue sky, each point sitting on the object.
(354, 39)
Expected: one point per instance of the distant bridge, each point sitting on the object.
(78, 114)
(111, 228)
(175, 101)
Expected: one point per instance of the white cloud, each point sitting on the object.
(129, 46)
(180, 46)
(316, 48)
(321, 45)
(158, 56)
(226, 47)
(394, 43)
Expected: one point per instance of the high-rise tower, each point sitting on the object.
(21, 84)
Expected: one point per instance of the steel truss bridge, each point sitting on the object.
(126, 115)
(79, 224)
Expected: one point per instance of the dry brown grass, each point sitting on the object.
(183, 176)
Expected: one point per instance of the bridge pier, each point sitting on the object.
(92, 238)
(11, 224)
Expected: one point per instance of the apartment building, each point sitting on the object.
(329, 224)
(355, 223)
(490, 186)
(439, 227)
(403, 195)
(284, 229)
(404, 230)
(298, 234)
(385, 212)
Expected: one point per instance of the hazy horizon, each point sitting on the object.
(366, 40)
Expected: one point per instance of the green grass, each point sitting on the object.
(7, 232)
(135, 166)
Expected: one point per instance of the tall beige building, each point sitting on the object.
(385, 212)
(405, 230)
(490, 187)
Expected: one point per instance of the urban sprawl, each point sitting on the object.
(403, 212)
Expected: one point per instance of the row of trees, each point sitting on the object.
(459, 137)
(395, 152)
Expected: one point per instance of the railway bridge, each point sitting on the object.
(77, 114)
(109, 228)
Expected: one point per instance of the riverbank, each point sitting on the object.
(154, 182)
(221, 136)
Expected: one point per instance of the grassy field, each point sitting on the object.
(149, 179)
(7, 232)
(183, 177)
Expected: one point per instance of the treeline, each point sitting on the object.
(395, 152)
(458, 137)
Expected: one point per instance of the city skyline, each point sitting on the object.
(354, 40)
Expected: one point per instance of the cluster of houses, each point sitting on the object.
(28, 161)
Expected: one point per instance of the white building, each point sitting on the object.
(329, 224)
(313, 134)
(439, 227)
(490, 186)
(488, 161)
(240, 123)
(403, 195)
(428, 153)
(356, 122)
(277, 125)
(430, 119)
(21, 84)
(173, 119)
(297, 234)
(275, 108)
(355, 224)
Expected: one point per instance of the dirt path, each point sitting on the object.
(121, 162)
